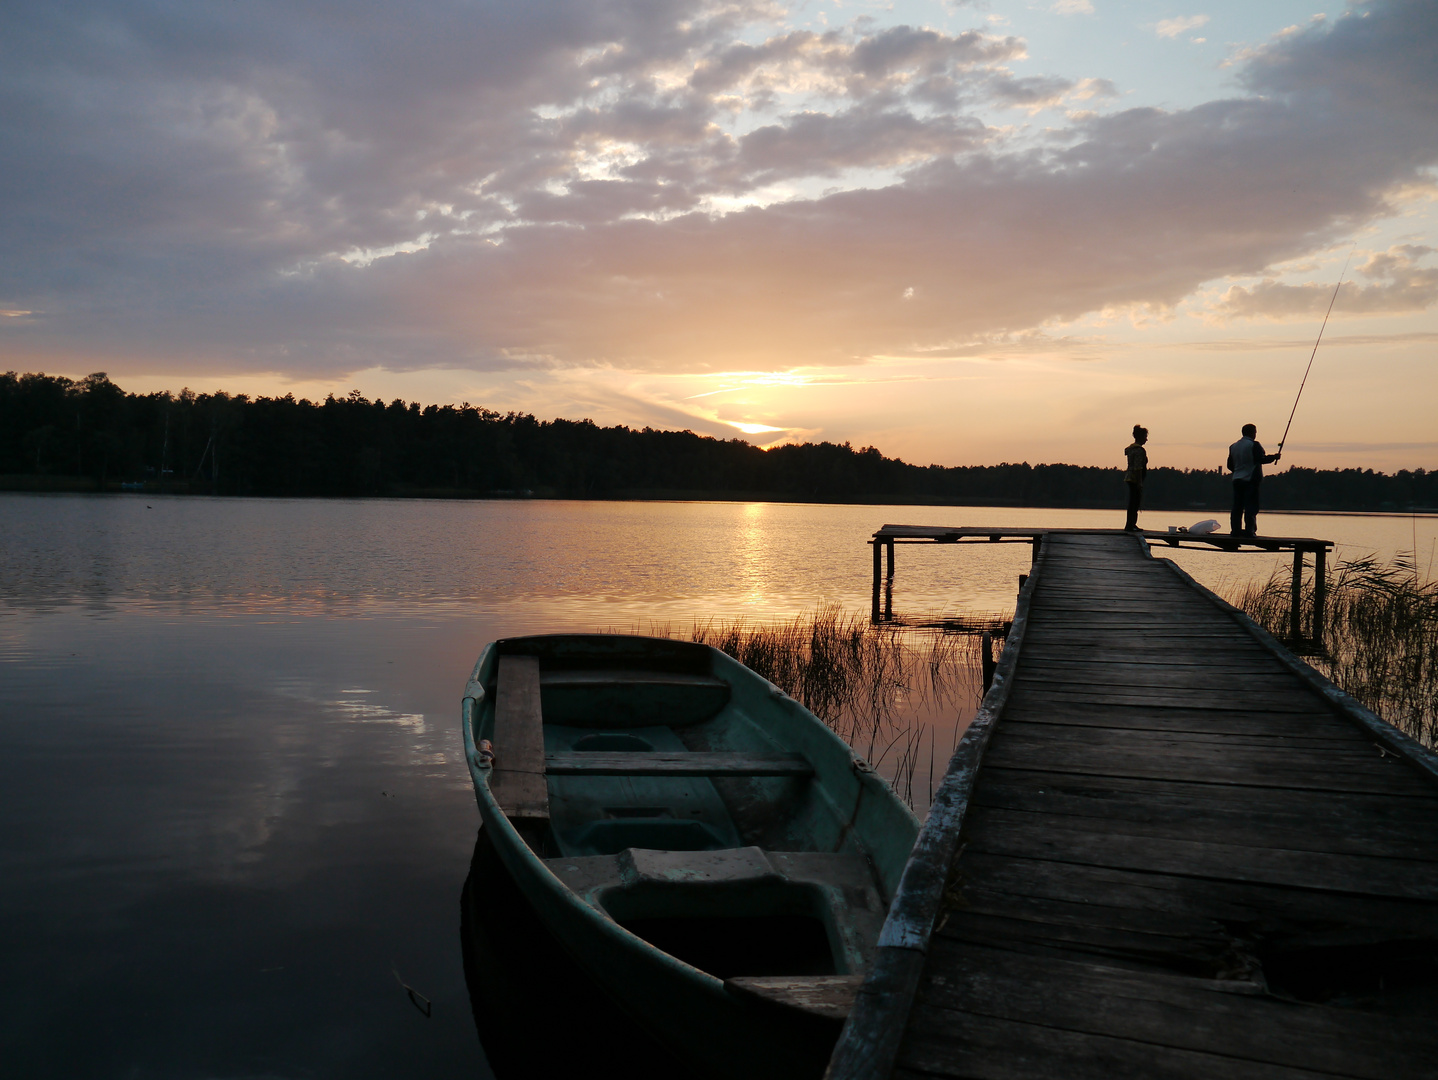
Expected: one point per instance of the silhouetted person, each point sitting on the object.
(1134, 476)
(1246, 460)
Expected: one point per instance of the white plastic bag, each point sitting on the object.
(1203, 528)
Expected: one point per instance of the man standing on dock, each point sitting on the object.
(1134, 476)
(1246, 460)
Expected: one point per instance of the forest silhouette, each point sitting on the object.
(58, 433)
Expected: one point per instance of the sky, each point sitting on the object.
(964, 233)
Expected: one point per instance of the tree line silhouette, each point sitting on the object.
(58, 433)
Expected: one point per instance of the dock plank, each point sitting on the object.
(1108, 843)
(1185, 1014)
(1148, 718)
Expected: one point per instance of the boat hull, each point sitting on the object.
(719, 1032)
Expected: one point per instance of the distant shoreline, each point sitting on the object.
(68, 485)
(60, 435)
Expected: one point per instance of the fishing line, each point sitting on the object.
(1314, 353)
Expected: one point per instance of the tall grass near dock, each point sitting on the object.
(886, 691)
(1379, 636)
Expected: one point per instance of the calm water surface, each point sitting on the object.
(234, 796)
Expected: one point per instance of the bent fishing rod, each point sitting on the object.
(1341, 274)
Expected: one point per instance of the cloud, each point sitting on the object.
(1399, 285)
(1072, 7)
(661, 185)
(1172, 28)
(1330, 341)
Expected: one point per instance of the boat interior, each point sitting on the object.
(698, 821)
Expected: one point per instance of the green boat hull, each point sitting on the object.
(707, 850)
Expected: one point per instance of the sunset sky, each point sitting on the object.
(961, 232)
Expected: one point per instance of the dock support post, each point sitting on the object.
(1320, 592)
(1038, 543)
(889, 581)
(1295, 625)
(878, 573)
(987, 658)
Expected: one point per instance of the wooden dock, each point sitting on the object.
(885, 540)
(1166, 848)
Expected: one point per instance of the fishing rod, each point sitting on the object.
(1314, 353)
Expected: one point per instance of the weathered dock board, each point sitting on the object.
(1166, 849)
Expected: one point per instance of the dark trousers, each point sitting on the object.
(1244, 517)
(1135, 500)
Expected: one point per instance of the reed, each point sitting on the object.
(1379, 636)
(874, 685)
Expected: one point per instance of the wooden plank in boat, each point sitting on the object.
(675, 763)
(518, 785)
(827, 996)
(593, 698)
(594, 679)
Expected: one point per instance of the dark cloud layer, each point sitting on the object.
(217, 182)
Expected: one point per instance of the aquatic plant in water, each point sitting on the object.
(1379, 636)
(873, 684)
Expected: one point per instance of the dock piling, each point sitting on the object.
(1295, 612)
(878, 573)
(889, 580)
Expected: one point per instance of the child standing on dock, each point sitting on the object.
(1134, 476)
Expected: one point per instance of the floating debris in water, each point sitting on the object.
(418, 1000)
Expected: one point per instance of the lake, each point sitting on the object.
(236, 808)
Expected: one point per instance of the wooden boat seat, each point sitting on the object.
(675, 763)
(518, 782)
(603, 677)
(630, 697)
(737, 881)
(829, 997)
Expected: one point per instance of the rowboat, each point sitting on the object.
(708, 851)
